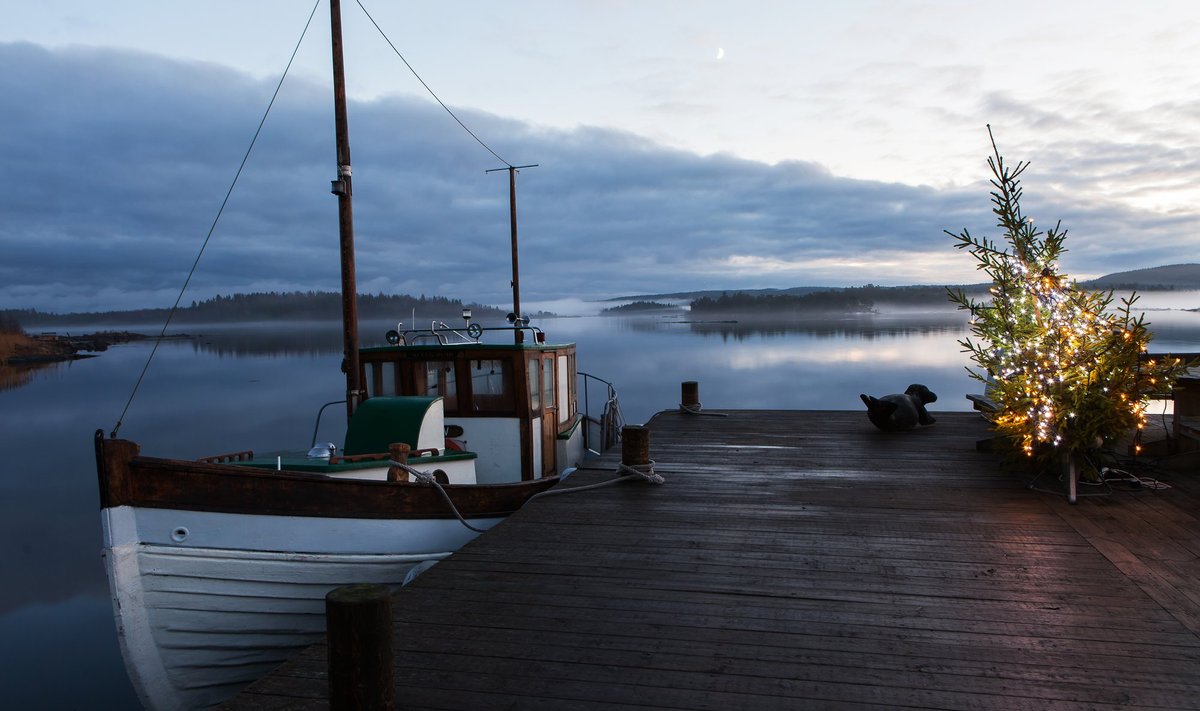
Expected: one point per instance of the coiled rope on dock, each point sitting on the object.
(696, 410)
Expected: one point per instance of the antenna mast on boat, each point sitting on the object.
(342, 188)
(512, 212)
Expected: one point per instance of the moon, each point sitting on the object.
(720, 52)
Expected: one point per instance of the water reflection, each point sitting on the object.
(866, 327)
(300, 338)
(800, 365)
(15, 376)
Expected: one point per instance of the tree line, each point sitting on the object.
(855, 299)
(264, 306)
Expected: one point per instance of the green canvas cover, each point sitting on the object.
(381, 421)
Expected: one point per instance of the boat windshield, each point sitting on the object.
(491, 385)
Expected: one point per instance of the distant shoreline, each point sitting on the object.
(18, 348)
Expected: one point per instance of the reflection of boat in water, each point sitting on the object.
(218, 568)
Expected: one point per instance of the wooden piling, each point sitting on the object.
(635, 445)
(358, 620)
(399, 453)
(689, 395)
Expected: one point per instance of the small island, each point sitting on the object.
(642, 308)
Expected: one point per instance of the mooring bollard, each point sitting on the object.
(399, 453)
(358, 621)
(635, 445)
(689, 395)
(689, 400)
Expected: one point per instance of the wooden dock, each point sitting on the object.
(797, 560)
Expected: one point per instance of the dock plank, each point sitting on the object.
(805, 560)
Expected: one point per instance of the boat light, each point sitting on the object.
(323, 450)
(393, 337)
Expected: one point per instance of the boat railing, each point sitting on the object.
(439, 330)
(317, 426)
(602, 430)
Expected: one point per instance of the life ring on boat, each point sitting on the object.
(452, 434)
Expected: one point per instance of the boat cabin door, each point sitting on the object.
(543, 395)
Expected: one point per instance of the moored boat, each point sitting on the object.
(218, 567)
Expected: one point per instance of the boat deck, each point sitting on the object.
(805, 560)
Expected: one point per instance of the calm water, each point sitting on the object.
(260, 388)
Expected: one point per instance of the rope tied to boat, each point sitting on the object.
(644, 472)
(428, 478)
(696, 410)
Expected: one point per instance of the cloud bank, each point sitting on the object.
(116, 163)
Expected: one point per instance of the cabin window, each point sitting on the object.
(548, 381)
(535, 385)
(565, 378)
(388, 378)
(439, 381)
(381, 379)
(491, 385)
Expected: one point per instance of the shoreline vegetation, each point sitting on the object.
(326, 305)
(849, 301)
(17, 347)
(260, 306)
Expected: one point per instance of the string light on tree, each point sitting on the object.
(1065, 368)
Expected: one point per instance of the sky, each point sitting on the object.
(679, 146)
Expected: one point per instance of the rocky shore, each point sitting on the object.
(18, 348)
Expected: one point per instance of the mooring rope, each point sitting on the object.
(633, 471)
(427, 478)
(644, 472)
(695, 410)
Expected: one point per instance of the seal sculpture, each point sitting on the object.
(897, 413)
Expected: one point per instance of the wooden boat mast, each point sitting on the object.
(512, 216)
(342, 188)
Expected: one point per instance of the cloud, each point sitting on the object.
(118, 162)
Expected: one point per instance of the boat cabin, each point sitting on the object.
(493, 395)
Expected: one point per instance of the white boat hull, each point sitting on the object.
(196, 621)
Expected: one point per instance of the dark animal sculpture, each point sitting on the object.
(896, 413)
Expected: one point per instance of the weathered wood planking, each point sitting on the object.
(804, 560)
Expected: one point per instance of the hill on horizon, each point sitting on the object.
(1169, 277)
(1165, 278)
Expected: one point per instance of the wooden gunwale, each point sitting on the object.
(130, 479)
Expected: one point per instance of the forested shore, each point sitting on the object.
(269, 306)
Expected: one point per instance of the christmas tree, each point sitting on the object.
(1066, 370)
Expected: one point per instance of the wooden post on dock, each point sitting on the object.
(358, 621)
(689, 395)
(635, 445)
(399, 453)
